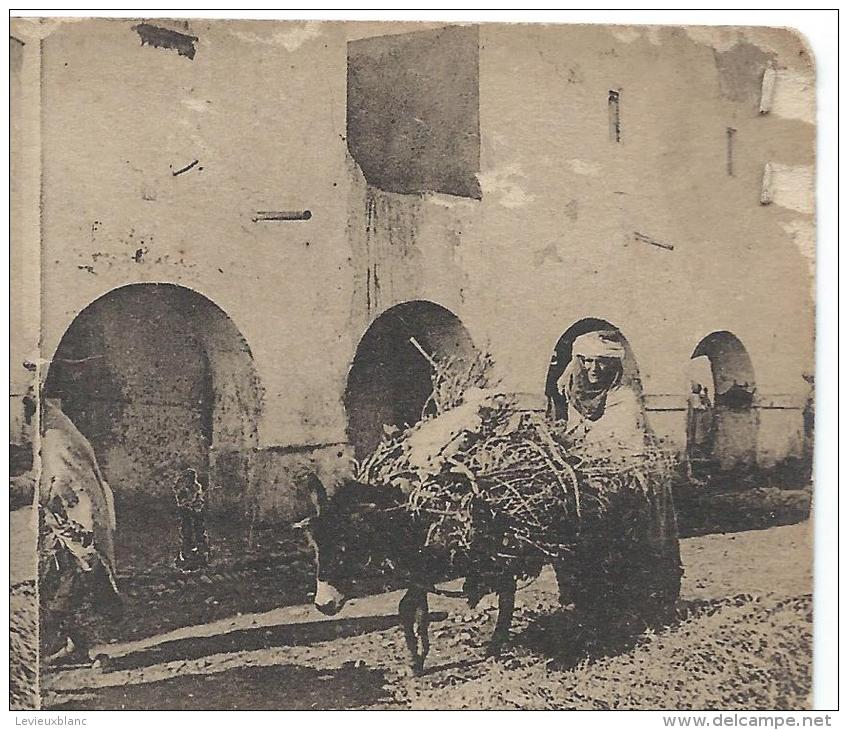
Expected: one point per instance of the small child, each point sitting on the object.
(191, 510)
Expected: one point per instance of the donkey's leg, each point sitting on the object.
(423, 616)
(406, 613)
(411, 613)
(506, 607)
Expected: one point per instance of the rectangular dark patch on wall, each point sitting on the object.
(153, 35)
(16, 55)
(413, 110)
(731, 137)
(614, 103)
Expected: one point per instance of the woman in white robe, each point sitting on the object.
(76, 536)
(630, 564)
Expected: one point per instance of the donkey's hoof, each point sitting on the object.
(416, 666)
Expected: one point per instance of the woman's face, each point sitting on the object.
(599, 370)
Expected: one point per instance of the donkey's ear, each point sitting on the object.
(303, 524)
(317, 492)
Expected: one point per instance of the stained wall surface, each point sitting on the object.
(159, 167)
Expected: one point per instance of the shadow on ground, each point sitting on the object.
(567, 640)
(710, 511)
(282, 687)
(265, 637)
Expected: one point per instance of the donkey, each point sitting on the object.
(360, 525)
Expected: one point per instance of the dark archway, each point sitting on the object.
(158, 378)
(562, 356)
(389, 379)
(729, 438)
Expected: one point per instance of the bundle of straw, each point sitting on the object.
(498, 481)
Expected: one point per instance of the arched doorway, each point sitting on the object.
(562, 356)
(389, 379)
(158, 378)
(725, 434)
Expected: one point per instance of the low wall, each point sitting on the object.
(277, 476)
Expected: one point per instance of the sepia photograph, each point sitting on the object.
(411, 365)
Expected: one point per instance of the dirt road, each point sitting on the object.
(742, 639)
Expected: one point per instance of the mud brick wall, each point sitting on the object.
(194, 163)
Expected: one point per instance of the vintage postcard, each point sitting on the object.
(411, 365)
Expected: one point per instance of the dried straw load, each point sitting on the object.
(494, 481)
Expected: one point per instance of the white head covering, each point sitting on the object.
(597, 344)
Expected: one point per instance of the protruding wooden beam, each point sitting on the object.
(642, 238)
(282, 215)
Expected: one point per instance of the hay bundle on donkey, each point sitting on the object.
(506, 491)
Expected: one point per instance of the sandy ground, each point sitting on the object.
(23, 610)
(742, 639)
(23, 640)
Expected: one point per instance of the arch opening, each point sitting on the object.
(159, 379)
(722, 422)
(389, 380)
(562, 356)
